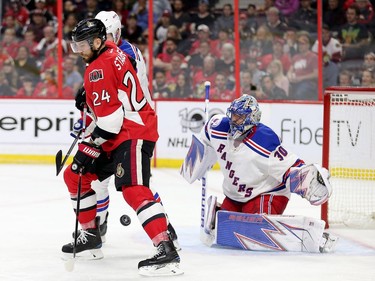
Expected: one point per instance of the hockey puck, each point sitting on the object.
(125, 220)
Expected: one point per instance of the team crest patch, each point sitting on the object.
(119, 171)
(96, 75)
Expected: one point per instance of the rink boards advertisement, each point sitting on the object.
(42, 127)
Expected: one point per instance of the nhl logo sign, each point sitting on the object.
(119, 171)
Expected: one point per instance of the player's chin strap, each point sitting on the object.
(311, 182)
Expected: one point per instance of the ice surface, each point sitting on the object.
(37, 219)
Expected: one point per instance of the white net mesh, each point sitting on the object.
(352, 158)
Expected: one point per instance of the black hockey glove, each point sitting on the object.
(80, 98)
(85, 157)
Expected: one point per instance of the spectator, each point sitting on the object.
(4, 56)
(160, 86)
(287, 7)
(225, 21)
(69, 23)
(37, 24)
(247, 86)
(25, 65)
(72, 77)
(275, 69)
(220, 91)
(252, 65)
(369, 61)
(140, 11)
(48, 43)
(262, 43)
(180, 18)
(162, 27)
(28, 89)
(226, 64)
(332, 49)
(5, 89)
(29, 42)
(47, 88)
(90, 10)
(203, 16)
(177, 68)
(69, 8)
(345, 78)
(207, 73)
(274, 23)
(159, 7)
(262, 10)
(270, 91)
(133, 30)
(334, 16)
(196, 60)
(18, 11)
(11, 75)
(247, 30)
(353, 36)
(303, 73)
(278, 53)
(366, 12)
(368, 79)
(50, 18)
(291, 46)
(203, 35)
(163, 60)
(251, 19)
(305, 17)
(182, 89)
(224, 36)
(332, 53)
(120, 8)
(10, 22)
(10, 42)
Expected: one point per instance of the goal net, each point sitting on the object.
(349, 154)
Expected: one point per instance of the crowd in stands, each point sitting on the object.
(194, 42)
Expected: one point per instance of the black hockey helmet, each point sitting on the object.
(88, 30)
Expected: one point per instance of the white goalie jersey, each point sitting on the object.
(258, 164)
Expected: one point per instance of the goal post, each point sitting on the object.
(349, 154)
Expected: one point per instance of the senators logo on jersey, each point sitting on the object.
(96, 75)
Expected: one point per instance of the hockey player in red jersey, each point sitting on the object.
(121, 143)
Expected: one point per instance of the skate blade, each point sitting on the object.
(170, 269)
(95, 254)
(176, 245)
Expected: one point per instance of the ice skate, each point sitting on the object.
(165, 262)
(102, 230)
(88, 245)
(328, 243)
(173, 237)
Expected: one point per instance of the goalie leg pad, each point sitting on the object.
(269, 232)
(311, 182)
(208, 235)
(199, 159)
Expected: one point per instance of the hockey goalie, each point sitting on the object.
(259, 176)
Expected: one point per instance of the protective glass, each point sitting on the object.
(81, 46)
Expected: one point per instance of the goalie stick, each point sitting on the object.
(207, 86)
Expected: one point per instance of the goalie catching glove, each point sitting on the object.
(311, 182)
(85, 157)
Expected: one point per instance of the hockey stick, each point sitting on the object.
(69, 264)
(58, 159)
(207, 86)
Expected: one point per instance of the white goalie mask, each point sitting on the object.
(112, 24)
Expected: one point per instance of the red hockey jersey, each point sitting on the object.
(116, 100)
